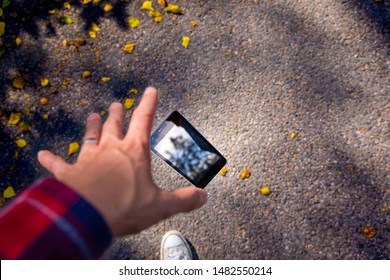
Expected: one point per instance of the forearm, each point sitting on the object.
(51, 221)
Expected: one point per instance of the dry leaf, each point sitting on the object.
(264, 191)
(369, 232)
(85, 2)
(87, 74)
(95, 27)
(67, 5)
(14, 118)
(147, 6)
(133, 91)
(19, 83)
(2, 28)
(245, 174)
(45, 116)
(97, 1)
(24, 127)
(80, 41)
(107, 8)
(18, 41)
(1, 12)
(193, 23)
(45, 82)
(92, 34)
(44, 101)
(292, 135)
(21, 143)
(133, 22)
(65, 43)
(223, 171)
(174, 9)
(73, 148)
(66, 20)
(129, 48)
(186, 41)
(52, 12)
(129, 102)
(9, 192)
(106, 79)
(162, 3)
(156, 15)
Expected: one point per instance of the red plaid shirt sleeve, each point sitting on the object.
(51, 221)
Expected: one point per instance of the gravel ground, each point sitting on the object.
(254, 72)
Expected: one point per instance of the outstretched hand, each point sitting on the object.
(114, 173)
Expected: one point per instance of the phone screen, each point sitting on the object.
(180, 145)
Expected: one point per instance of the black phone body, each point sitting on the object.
(181, 146)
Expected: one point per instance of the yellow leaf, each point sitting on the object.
(133, 22)
(1, 43)
(92, 34)
(18, 41)
(52, 12)
(73, 148)
(14, 118)
(80, 41)
(44, 101)
(95, 27)
(106, 79)
(64, 43)
(2, 28)
(87, 74)
(369, 232)
(129, 103)
(162, 3)
(9, 192)
(174, 9)
(156, 15)
(264, 191)
(24, 127)
(45, 82)
(245, 174)
(21, 143)
(147, 6)
(66, 20)
(1, 12)
(67, 5)
(129, 48)
(133, 91)
(85, 2)
(19, 83)
(223, 171)
(193, 23)
(97, 1)
(186, 41)
(45, 116)
(107, 8)
(292, 135)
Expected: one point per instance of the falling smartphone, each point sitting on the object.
(181, 146)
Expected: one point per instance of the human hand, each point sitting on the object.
(114, 174)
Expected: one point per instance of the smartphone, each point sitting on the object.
(181, 146)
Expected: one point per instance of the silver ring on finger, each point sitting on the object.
(90, 140)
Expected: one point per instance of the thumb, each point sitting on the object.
(54, 164)
(183, 200)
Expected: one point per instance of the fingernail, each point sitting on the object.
(149, 90)
(202, 198)
(114, 105)
(93, 116)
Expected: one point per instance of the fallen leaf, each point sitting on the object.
(6, 3)
(24, 127)
(106, 79)
(186, 42)
(85, 2)
(97, 1)
(223, 171)
(174, 9)
(156, 15)
(133, 91)
(1, 12)
(133, 22)
(292, 135)
(45, 82)
(95, 27)
(1, 43)
(19, 83)
(66, 20)
(73, 148)
(162, 3)
(18, 41)
(14, 118)
(264, 191)
(65, 43)
(245, 174)
(2, 28)
(67, 5)
(193, 23)
(44, 101)
(369, 232)
(52, 12)
(21, 143)
(129, 48)
(53, 90)
(92, 34)
(87, 74)
(129, 102)
(147, 6)
(9, 192)
(80, 41)
(107, 8)
(45, 116)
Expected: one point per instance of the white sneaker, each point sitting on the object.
(175, 247)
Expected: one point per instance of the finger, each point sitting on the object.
(54, 164)
(114, 123)
(182, 200)
(93, 129)
(142, 118)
